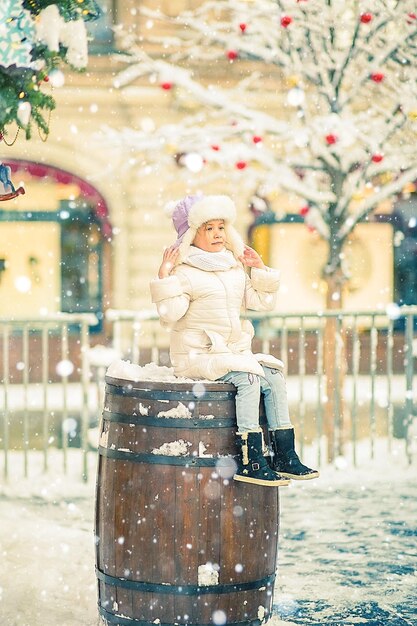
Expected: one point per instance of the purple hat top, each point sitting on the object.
(180, 213)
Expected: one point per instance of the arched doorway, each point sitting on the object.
(54, 245)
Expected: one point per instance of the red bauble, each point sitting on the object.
(331, 139)
(286, 20)
(243, 27)
(304, 210)
(366, 18)
(256, 139)
(377, 77)
(166, 85)
(232, 55)
(240, 165)
(215, 147)
(377, 157)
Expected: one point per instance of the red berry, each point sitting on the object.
(377, 77)
(243, 27)
(286, 21)
(412, 16)
(232, 55)
(167, 86)
(304, 210)
(366, 18)
(331, 139)
(256, 139)
(46, 79)
(377, 158)
(215, 147)
(241, 165)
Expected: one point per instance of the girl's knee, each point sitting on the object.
(246, 379)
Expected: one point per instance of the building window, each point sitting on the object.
(404, 220)
(101, 30)
(81, 262)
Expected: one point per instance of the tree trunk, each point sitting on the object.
(334, 367)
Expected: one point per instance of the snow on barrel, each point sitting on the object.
(177, 539)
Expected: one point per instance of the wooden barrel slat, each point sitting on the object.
(159, 518)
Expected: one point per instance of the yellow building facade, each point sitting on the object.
(77, 175)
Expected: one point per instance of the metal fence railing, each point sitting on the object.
(45, 389)
(371, 357)
(52, 379)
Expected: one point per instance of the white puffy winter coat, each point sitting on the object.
(202, 309)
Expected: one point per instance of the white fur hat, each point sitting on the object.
(192, 211)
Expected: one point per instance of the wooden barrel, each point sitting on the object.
(178, 540)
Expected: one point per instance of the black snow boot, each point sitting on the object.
(253, 466)
(285, 459)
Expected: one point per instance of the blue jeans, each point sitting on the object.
(249, 388)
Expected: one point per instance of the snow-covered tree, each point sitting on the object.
(35, 36)
(344, 76)
(337, 125)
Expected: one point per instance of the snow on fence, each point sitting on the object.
(52, 396)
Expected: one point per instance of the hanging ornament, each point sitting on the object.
(366, 18)
(331, 139)
(240, 165)
(377, 157)
(193, 161)
(56, 78)
(23, 113)
(257, 139)
(377, 77)
(295, 97)
(9, 191)
(232, 55)
(286, 20)
(243, 27)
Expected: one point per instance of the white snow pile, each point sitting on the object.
(151, 371)
(173, 448)
(202, 449)
(207, 574)
(130, 371)
(180, 411)
(143, 410)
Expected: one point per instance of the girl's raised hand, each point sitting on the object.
(168, 261)
(251, 258)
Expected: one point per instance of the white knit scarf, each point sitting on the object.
(211, 261)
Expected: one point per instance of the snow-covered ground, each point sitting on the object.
(348, 549)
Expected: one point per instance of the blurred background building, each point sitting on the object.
(88, 234)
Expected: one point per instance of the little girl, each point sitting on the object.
(201, 290)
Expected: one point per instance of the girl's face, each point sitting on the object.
(210, 236)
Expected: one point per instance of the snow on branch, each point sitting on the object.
(319, 99)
